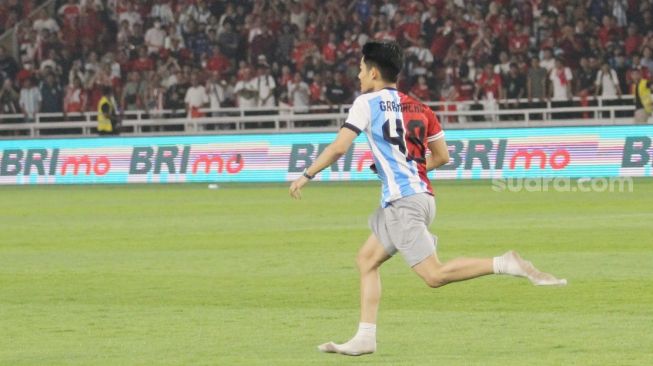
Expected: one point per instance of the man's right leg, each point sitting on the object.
(437, 274)
(369, 259)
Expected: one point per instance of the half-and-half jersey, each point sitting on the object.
(398, 129)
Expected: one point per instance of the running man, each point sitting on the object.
(399, 129)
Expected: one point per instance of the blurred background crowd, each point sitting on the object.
(189, 54)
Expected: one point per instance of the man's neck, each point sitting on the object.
(381, 86)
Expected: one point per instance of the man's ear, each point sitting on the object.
(375, 73)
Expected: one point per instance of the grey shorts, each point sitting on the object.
(403, 226)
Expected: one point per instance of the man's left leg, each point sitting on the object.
(369, 259)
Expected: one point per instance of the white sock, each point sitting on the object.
(366, 330)
(499, 265)
(362, 343)
(507, 264)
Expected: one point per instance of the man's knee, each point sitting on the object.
(435, 279)
(366, 261)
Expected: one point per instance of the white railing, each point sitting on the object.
(316, 118)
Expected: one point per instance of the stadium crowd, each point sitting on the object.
(188, 54)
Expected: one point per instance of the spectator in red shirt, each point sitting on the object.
(633, 41)
(70, 13)
(317, 90)
(607, 30)
(218, 62)
(143, 62)
(75, 99)
(421, 91)
(489, 84)
(519, 40)
(329, 50)
(410, 30)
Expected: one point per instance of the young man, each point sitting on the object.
(399, 130)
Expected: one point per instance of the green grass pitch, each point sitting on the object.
(242, 275)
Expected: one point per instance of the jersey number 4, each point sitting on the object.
(413, 145)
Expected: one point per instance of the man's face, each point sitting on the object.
(366, 77)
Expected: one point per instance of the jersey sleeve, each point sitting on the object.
(434, 130)
(359, 116)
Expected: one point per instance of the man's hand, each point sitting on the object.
(296, 186)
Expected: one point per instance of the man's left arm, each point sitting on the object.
(331, 154)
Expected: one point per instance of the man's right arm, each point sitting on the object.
(439, 154)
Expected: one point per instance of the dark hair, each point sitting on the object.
(388, 57)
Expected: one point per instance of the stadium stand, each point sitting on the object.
(194, 58)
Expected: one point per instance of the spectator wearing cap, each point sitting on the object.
(641, 89)
(52, 95)
(30, 100)
(246, 89)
